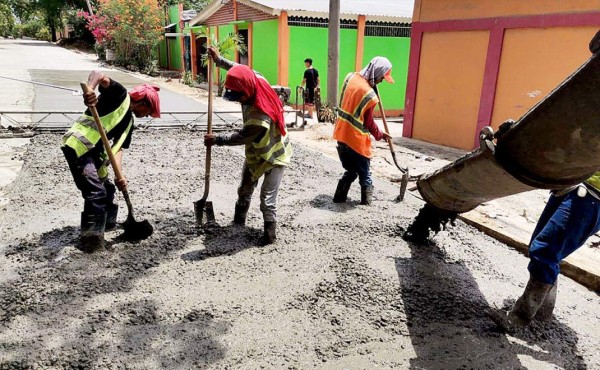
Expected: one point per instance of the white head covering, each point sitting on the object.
(376, 69)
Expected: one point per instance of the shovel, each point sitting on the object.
(134, 230)
(405, 177)
(202, 206)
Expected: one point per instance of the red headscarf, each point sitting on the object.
(150, 93)
(242, 79)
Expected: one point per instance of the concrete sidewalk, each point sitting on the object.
(510, 220)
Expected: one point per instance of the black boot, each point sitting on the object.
(366, 195)
(529, 303)
(270, 234)
(111, 216)
(241, 211)
(341, 192)
(92, 231)
(545, 311)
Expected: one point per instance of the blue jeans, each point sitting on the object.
(355, 165)
(563, 227)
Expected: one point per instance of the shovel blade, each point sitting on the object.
(136, 230)
(202, 207)
(403, 186)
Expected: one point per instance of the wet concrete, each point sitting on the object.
(339, 289)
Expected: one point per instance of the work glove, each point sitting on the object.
(121, 183)
(386, 136)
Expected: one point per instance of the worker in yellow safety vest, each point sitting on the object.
(267, 145)
(87, 159)
(355, 125)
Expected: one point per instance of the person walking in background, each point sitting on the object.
(268, 149)
(312, 81)
(87, 158)
(355, 125)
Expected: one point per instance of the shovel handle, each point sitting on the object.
(107, 147)
(209, 118)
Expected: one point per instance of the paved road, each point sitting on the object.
(44, 62)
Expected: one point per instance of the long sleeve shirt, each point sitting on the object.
(371, 125)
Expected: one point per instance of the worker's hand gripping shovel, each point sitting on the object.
(133, 230)
(203, 206)
(405, 177)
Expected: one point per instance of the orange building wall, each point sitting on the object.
(434, 10)
(533, 62)
(450, 80)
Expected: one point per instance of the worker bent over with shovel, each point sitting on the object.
(87, 158)
(268, 149)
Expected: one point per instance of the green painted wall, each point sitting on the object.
(311, 42)
(175, 48)
(396, 49)
(265, 49)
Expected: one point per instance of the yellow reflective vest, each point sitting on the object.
(83, 135)
(272, 150)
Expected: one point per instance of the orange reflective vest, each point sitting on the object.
(356, 98)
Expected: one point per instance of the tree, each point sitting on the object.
(7, 20)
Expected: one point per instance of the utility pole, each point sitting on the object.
(333, 64)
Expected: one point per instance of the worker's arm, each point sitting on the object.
(122, 182)
(372, 126)
(247, 135)
(220, 62)
(303, 82)
(94, 79)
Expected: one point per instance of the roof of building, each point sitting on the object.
(375, 10)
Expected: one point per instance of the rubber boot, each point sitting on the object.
(241, 211)
(529, 303)
(92, 231)
(545, 311)
(341, 192)
(366, 195)
(112, 210)
(270, 234)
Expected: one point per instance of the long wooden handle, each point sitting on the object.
(208, 130)
(210, 96)
(107, 147)
(385, 125)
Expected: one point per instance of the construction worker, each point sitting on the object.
(268, 150)
(355, 125)
(570, 217)
(87, 159)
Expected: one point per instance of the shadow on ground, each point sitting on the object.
(448, 327)
(79, 316)
(225, 241)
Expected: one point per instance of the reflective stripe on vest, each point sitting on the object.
(356, 98)
(594, 181)
(83, 135)
(273, 149)
(103, 170)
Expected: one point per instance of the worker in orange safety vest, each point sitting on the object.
(355, 125)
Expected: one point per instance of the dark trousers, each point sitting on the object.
(96, 192)
(355, 165)
(563, 227)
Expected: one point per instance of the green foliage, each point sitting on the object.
(187, 78)
(7, 20)
(136, 28)
(191, 4)
(226, 47)
(35, 29)
(151, 69)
